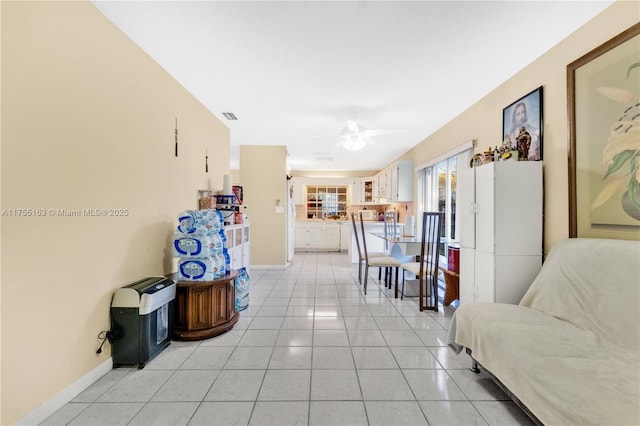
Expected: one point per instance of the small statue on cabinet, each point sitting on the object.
(488, 156)
(507, 150)
(506, 143)
(476, 160)
(523, 143)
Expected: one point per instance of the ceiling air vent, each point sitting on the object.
(229, 116)
(323, 157)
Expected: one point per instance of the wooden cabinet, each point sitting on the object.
(205, 308)
(500, 207)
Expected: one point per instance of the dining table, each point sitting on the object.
(406, 248)
(410, 244)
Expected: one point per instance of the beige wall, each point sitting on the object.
(263, 172)
(87, 122)
(483, 121)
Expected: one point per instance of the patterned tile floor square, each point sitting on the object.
(311, 349)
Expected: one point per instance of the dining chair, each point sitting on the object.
(390, 226)
(361, 257)
(390, 229)
(384, 261)
(427, 267)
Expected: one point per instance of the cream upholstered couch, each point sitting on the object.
(569, 351)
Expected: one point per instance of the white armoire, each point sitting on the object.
(500, 208)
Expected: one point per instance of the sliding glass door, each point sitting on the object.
(437, 190)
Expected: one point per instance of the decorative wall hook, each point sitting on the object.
(206, 161)
(176, 137)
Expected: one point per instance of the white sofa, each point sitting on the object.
(569, 351)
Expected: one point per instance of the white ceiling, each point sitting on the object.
(294, 72)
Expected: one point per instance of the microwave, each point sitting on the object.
(368, 214)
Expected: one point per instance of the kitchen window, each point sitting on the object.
(327, 201)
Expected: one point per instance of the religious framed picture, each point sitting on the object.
(604, 139)
(522, 125)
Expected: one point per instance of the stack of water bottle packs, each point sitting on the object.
(201, 246)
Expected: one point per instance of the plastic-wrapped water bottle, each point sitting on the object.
(216, 241)
(227, 261)
(220, 263)
(223, 237)
(219, 221)
(242, 290)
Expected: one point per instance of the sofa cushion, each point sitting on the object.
(570, 350)
(563, 374)
(593, 284)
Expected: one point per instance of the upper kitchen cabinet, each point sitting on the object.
(357, 191)
(383, 183)
(327, 201)
(298, 191)
(369, 190)
(396, 182)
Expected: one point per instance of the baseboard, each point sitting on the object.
(268, 266)
(66, 395)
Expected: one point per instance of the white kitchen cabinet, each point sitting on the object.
(370, 190)
(357, 191)
(400, 181)
(317, 235)
(383, 183)
(301, 238)
(299, 195)
(500, 208)
(346, 229)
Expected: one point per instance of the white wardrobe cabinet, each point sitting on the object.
(500, 207)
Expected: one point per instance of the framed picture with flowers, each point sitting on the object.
(603, 89)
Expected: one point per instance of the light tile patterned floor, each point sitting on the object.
(312, 349)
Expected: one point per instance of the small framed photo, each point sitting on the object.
(522, 125)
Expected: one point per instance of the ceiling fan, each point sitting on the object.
(355, 136)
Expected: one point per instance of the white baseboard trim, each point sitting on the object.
(268, 266)
(66, 395)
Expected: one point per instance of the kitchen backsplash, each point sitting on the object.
(403, 209)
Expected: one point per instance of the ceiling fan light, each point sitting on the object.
(354, 143)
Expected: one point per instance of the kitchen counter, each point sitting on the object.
(373, 243)
(337, 234)
(318, 234)
(337, 220)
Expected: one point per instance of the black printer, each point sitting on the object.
(141, 320)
